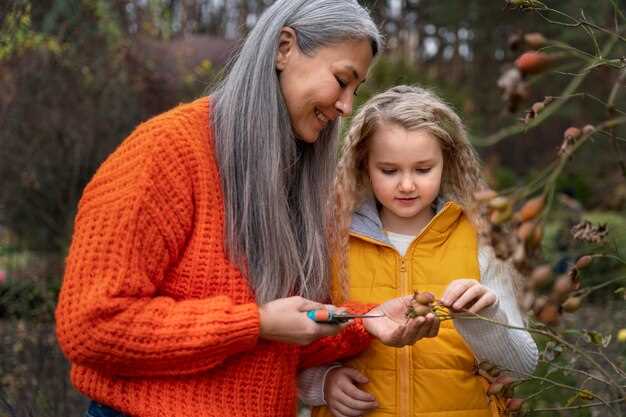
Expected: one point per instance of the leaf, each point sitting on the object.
(597, 338)
(585, 395)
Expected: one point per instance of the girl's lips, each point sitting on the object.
(406, 201)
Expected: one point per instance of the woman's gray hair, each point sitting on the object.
(275, 186)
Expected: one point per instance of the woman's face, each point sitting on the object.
(319, 88)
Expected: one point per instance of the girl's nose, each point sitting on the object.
(407, 184)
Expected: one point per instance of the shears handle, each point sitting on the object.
(326, 317)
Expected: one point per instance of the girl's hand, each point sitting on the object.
(395, 329)
(343, 396)
(468, 294)
(285, 320)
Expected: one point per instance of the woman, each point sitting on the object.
(199, 244)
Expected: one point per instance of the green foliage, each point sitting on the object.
(24, 299)
(72, 91)
(17, 36)
(504, 178)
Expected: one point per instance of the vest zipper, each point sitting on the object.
(404, 354)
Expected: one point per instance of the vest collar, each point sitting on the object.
(366, 219)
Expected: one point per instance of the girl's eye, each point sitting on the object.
(341, 82)
(388, 171)
(423, 170)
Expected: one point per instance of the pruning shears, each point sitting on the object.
(332, 317)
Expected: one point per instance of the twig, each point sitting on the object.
(549, 110)
(576, 407)
(569, 387)
(473, 316)
(611, 112)
(587, 374)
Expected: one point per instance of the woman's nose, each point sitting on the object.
(344, 104)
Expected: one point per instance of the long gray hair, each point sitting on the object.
(275, 186)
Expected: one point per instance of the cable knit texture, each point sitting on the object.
(153, 317)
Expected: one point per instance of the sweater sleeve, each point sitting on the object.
(133, 221)
(510, 349)
(311, 383)
(353, 340)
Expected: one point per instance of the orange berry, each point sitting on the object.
(534, 40)
(514, 404)
(549, 314)
(533, 62)
(563, 286)
(525, 230)
(485, 195)
(572, 133)
(531, 209)
(495, 388)
(571, 304)
(422, 310)
(541, 275)
(499, 203)
(583, 262)
(425, 298)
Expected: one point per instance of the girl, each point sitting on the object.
(404, 189)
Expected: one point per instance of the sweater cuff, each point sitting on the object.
(311, 383)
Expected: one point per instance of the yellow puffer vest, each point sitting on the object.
(434, 377)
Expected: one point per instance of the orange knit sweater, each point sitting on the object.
(153, 317)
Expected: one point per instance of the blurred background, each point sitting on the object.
(76, 76)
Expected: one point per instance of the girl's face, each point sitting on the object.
(319, 88)
(405, 169)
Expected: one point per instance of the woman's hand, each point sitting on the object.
(343, 396)
(468, 294)
(395, 329)
(285, 320)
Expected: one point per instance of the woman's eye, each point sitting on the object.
(341, 82)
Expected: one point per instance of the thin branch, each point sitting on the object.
(578, 371)
(576, 407)
(473, 316)
(549, 110)
(611, 111)
(577, 22)
(571, 388)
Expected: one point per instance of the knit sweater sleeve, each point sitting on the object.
(133, 221)
(511, 349)
(353, 340)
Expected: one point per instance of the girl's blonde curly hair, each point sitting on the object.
(411, 108)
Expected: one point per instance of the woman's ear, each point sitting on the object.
(287, 44)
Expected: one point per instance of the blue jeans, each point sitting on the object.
(100, 410)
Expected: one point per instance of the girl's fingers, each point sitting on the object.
(357, 394)
(468, 296)
(356, 405)
(455, 290)
(346, 410)
(487, 300)
(335, 412)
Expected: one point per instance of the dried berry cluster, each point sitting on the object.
(516, 237)
(501, 388)
(421, 304)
